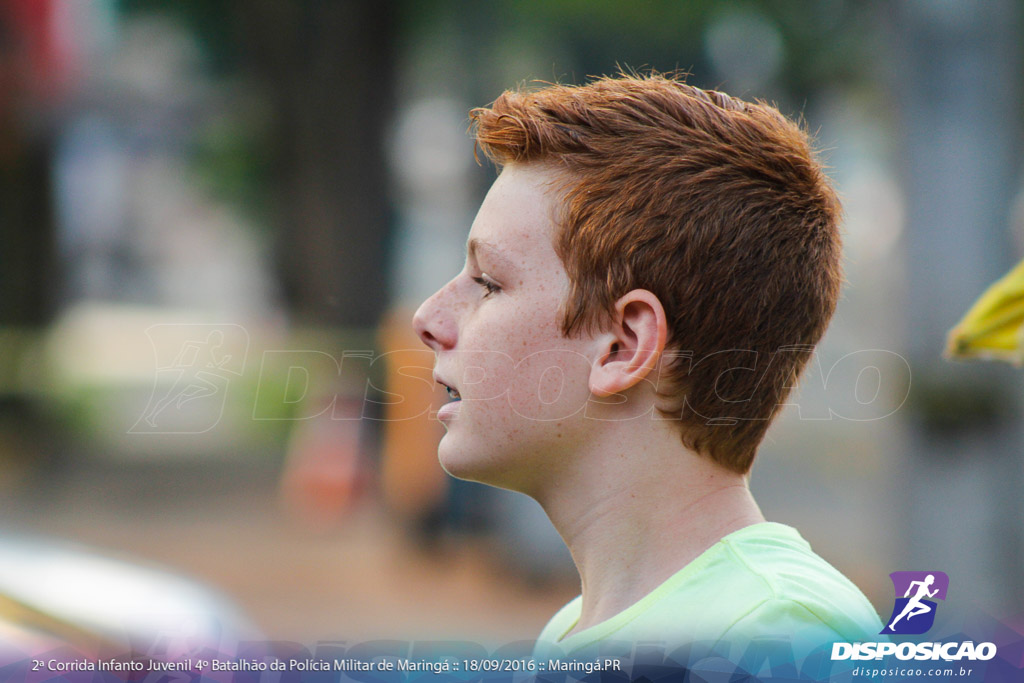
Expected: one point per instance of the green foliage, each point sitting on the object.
(231, 159)
(210, 21)
(826, 42)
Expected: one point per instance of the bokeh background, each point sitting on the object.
(218, 216)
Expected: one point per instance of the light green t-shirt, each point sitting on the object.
(761, 581)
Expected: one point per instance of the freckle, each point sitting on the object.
(559, 435)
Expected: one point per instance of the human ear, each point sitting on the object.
(631, 343)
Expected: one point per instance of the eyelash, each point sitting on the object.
(489, 286)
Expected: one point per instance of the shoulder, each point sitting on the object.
(761, 581)
(801, 592)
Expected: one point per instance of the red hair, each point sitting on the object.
(716, 205)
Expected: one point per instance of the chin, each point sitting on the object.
(461, 463)
(475, 464)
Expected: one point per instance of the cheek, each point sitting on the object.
(485, 375)
(520, 358)
(550, 384)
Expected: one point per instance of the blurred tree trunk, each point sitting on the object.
(26, 231)
(27, 248)
(26, 216)
(328, 71)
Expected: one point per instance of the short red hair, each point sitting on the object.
(716, 205)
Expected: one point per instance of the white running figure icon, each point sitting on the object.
(196, 367)
(914, 606)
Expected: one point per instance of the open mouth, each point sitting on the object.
(452, 392)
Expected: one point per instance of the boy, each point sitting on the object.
(643, 284)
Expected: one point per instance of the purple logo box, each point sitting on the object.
(901, 582)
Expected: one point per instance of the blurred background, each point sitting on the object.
(217, 218)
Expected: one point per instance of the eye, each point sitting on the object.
(489, 286)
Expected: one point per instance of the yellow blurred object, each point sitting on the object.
(993, 328)
(31, 628)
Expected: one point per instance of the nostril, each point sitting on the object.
(419, 325)
(436, 337)
(428, 339)
(422, 325)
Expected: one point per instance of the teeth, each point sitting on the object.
(454, 394)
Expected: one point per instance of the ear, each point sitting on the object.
(631, 345)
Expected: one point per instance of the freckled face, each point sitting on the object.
(496, 332)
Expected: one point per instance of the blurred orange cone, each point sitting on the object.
(325, 470)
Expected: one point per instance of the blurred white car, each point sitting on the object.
(56, 593)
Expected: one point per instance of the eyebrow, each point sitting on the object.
(477, 246)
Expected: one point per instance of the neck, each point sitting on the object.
(633, 519)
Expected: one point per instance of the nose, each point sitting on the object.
(434, 322)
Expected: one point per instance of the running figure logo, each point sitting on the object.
(914, 613)
(195, 365)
